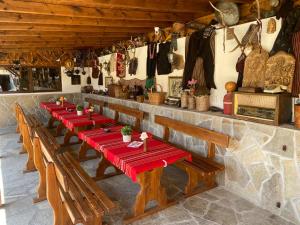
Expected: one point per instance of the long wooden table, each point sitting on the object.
(143, 167)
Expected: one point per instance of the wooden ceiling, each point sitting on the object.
(44, 24)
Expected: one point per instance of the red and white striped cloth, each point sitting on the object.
(133, 161)
(73, 121)
(296, 49)
(57, 114)
(51, 106)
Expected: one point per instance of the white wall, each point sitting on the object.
(67, 87)
(224, 63)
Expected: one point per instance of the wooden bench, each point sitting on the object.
(201, 169)
(137, 114)
(27, 125)
(73, 195)
(42, 137)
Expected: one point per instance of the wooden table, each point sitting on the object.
(52, 107)
(145, 168)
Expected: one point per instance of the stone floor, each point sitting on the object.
(214, 207)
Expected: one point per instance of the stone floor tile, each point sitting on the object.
(221, 215)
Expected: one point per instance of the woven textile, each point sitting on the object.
(73, 121)
(57, 114)
(51, 106)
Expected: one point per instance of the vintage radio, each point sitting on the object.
(272, 109)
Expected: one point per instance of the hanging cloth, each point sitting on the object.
(121, 65)
(151, 59)
(133, 65)
(240, 69)
(163, 64)
(296, 48)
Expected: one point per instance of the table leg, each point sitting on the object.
(59, 129)
(50, 122)
(103, 165)
(83, 151)
(151, 189)
(68, 136)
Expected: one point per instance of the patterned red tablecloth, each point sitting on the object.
(58, 114)
(132, 161)
(98, 137)
(72, 121)
(51, 106)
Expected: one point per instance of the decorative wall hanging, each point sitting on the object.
(121, 65)
(75, 80)
(151, 60)
(95, 69)
(112, 62)
(69, 64)
(255, 68)
(280, 70)
(175, 87)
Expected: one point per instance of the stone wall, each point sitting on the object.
(257, 166)
(30, 103)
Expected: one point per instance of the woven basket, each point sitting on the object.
(191, 102)
(202, 103)
(157, 98)
(184, 100)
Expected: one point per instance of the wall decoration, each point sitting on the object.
(175, 87)
(108, 81)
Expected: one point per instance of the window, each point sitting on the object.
(28, 79)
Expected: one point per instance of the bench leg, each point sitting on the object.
(53, 195)
(23, 150)
(20, 139)
(38, 161)
(30, 167)
(194, 178)
(18, 128)
(103, 165)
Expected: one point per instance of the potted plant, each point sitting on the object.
(126, 131)
(58, 101)
(79, 109)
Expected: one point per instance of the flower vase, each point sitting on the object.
(79, 113)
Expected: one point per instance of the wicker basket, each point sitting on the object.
(184, 100)
(157, 98)
(191, 102)
(202, 103)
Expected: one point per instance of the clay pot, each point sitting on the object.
(230, 86)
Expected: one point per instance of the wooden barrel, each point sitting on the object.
(297, 116)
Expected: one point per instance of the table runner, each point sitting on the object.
(58, 114)
(133, 161)
(98, 137)
(73, 121)
(51, 106)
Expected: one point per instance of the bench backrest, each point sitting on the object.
(67, 182)
(211, 137)
(138, 115)
(95, 102)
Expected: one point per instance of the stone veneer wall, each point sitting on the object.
(30, 103)
(256, 166)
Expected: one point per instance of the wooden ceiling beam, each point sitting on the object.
(52, 38)
(4, 26)
(186, 6)
(37, 8)
(24, 33)
(8, 17)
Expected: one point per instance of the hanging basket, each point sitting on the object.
(202, 103)
(157, 98)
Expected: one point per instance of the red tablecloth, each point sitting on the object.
(72, 121)
(133, 161)
(98, 137)
(58, 114)
(51, 106)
